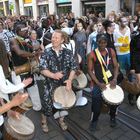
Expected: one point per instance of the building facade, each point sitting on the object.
(35, 8)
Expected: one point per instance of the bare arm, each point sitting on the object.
(18, 51)
(17, 100)
(90, 64)
(92, 72)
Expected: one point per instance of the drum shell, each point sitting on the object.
(22, 69)
(105, 108)
(130, 87)
(31, 66)
(7, 136)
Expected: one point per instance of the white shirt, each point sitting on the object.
(120, 39)
(70, 46)
(6, 87)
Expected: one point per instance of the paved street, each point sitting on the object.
(80, 117)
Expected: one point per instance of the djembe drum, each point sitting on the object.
(113, 96)
(18, 129)
(31, 66)
(80, 81)
(63, 99)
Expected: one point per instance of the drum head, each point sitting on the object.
(81, 81)
(138, 102)
(113, 96)
(64, 97)
(23, 126)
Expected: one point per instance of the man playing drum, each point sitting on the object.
(58, 65)
(101, 72)
(22, 52)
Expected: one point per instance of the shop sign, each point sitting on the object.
(27, 1)
(62, 1)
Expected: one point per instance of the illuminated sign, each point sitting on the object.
(27, 1)
(62, 1)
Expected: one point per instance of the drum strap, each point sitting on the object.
(103, 70)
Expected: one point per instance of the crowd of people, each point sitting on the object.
(102, 48)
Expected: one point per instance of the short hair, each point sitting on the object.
(19, 26)
(101, 36)
(106, 24)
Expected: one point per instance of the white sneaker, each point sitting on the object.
(63, 113)
(57, 115)
(60, 114)
(81, 101)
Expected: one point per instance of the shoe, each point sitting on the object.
(45, 127)
(63, 125)
(113, 122)
(59, 114)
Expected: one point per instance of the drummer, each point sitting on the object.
(58, 65)
(6, 87)
(101, 77)
(22, 52)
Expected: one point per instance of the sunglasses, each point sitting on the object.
(24, 29)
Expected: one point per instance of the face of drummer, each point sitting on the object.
(102, 44)
(23, 32)
(57, 39)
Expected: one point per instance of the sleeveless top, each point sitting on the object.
(19, 60)
(98, 68)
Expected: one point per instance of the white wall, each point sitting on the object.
(52, 6)
(35, 9)
(21, 7)
(77, 8)
(112, 5)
